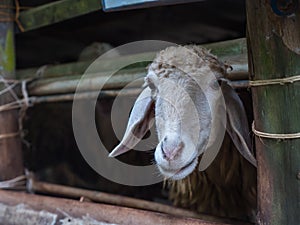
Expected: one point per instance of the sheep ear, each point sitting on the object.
(237, 124)
(140, 121)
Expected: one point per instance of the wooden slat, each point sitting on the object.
(56, 12)
(64, 208)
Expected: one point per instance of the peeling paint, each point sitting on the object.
(22, 214)
(85, 220)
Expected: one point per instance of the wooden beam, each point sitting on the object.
(56, 12)
(101, 197)
(274, 53)
(11, 162)
(63, 209)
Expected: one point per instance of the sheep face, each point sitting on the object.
(177, 120)
(183, 95)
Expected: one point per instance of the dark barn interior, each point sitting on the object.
(49, 148)
(52, 153)
(93, 130)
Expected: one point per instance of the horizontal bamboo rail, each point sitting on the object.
(62, 79)
(234, 52)
(108, 94)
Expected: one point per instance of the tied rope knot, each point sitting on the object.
(18, 103)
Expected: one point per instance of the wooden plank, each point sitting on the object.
(71, 209)
(274, 53)
(56, 12)
(11, 162)
(101, 197)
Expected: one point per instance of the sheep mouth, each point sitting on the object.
(187, 165)
(182, 172)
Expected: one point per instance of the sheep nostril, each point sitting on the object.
(170, 151)
(163, 152)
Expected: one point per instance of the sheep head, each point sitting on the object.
(192, 104)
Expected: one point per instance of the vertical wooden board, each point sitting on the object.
(273, 47)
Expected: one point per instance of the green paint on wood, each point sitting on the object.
(9, 53)
(56, 12)
(274, 51)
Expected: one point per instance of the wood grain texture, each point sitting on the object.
(11, 162)
(273, 47)
(101, 212)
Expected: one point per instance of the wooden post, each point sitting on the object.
(274, 52)
(11, 163)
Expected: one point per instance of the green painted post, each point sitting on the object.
(274, 52)
(11, 162)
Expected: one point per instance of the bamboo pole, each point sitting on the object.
(58, 209)
(108, 94)
(274, 41)
(11, 163)
(65, 78)
(234, 52)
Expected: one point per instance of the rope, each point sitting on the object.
(274, 136)
(15, 183)
(9, 135)
(9, 16)
(21, 104)
(281, 81)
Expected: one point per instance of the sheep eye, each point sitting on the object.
(150, 83)
(151, 86)
(215, 84)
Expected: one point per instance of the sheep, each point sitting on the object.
(178, 78)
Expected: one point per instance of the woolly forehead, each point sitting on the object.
(186, 64)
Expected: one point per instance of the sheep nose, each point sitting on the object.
(170, 149)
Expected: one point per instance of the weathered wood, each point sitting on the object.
(64, 208)
(11, 163)
(56, 12)
(274, 53)
(101, 197)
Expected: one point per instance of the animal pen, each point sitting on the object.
(43, 177)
